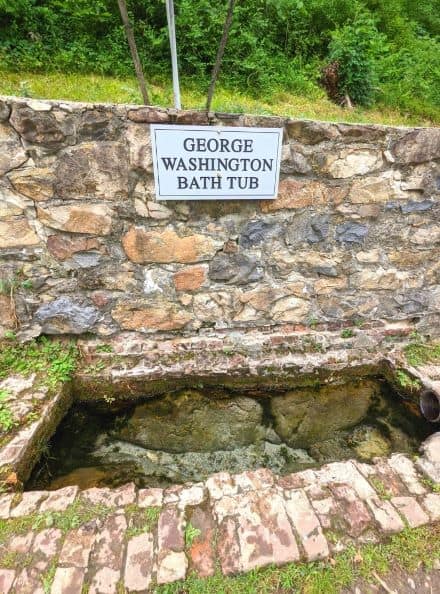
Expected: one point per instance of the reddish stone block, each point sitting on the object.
(59, 500)
(108, 549)
(201, 552)
(228, 547)
(46, 546)
(170, 530)
(28, 582)
(307, 526)
(171, 567)
(356, 517)
(139, 563)
(7, 577)
(5, 504)
(148, 116)
(77, 546)
(411, 510)
(150, 497)
(189, 279)
(105, 581)
(385, 515)
(29, 503)
(68, 580)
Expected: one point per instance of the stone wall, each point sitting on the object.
(353, 236)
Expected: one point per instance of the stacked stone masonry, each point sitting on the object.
(237, 522)
(353, 235)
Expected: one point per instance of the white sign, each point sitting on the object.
(207, 162)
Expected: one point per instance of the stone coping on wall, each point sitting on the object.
(159, 114)
(237, 522)
(132, 366)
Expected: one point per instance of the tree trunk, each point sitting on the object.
(133, 50)
(220, 52)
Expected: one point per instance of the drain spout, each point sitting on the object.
(430, 405)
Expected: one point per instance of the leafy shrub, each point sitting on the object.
(355, 48)
(410, 77)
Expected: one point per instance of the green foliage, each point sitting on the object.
(104, 348)
(77, 514)
(410, 77)
(356, 47)
(141, 520)
(347, 333)
(191, 533)
(419, 353)
(9, 285)
(55, 361)
(7, 421)
(406, 381)
(388, 49)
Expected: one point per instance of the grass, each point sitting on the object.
(78, 513)
(7, 421)
(419, 353)
(105, 89)
(141, 520)
(406, 550)
(191, 533)
(406, 381)
(380, 488)
(54, 360)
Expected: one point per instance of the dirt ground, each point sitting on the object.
(401, 582)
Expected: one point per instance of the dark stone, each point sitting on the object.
(146, 115)
(79, 169)
(299, 163)
(192, 117)
(361, 133)
(230, 119)
(393, 205)
(40, 127)
(319, 227)
(190, 421)
(416, 206)
(411, 302)
(255, 232)
(351, 232)
(5, 110)
(90, 279)
(236, 269)
(326, 271)
(97, 124)
(309, 132)
(418, 146)
(66, 316)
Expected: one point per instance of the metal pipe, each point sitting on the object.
(430, 405)
(173, 47)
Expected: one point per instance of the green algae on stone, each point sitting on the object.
(192, 421)
(305, 416)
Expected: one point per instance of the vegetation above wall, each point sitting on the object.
(384, 52)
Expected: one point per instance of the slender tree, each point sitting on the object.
(220, 52)
(133, 50)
